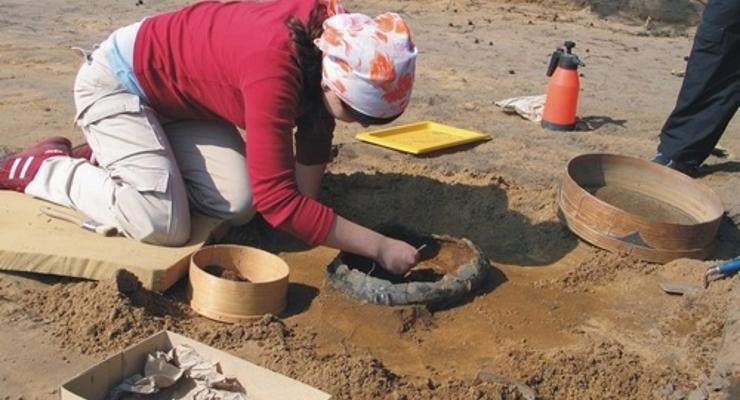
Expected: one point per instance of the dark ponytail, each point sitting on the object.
(307, 54)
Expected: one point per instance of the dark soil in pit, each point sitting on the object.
(225, 273)
(641, 205)
(438, 257)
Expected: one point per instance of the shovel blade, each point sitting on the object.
(680, 288)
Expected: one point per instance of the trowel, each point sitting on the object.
(681, 288)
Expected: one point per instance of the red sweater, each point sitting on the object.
(234, 61)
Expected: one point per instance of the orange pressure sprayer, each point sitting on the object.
(561, 102)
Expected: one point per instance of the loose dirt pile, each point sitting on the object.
(701, 317)
(599, 268)
(101, 317)
(605, 367)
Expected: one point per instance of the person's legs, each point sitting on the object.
(710, 94)
(212, 161)
(137, 186)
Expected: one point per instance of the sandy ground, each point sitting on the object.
(558, 316)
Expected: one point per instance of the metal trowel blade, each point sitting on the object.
(679, 288)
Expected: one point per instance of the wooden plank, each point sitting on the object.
(33, 242)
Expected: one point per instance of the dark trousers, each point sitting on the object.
(710, 94)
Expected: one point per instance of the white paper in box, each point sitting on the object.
(260, 383)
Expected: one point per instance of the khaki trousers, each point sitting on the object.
(149, 171)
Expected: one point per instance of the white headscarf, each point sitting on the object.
(369, 63)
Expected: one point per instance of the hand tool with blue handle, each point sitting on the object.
(724, 269)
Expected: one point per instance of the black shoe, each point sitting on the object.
(690, 168)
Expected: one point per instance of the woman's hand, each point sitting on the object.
(396, 256)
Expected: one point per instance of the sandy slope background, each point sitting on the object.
(558, 316)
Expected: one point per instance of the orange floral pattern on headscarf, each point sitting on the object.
(399, 91)
(381, 68)
(334, 7)
(368, 62)
(386, 22)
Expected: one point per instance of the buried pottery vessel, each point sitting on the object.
(450, 270)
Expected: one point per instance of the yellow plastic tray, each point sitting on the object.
(421, 137)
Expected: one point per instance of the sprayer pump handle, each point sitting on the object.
(554, 61)
(569, 45)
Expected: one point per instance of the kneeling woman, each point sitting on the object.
(160, 101)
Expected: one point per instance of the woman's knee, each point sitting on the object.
(241, 210)
(152, 217)
(237, 208)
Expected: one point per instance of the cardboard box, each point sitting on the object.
(260, 383)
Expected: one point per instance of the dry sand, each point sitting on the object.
(557, 317)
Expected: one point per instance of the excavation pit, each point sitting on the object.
(449, 270)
